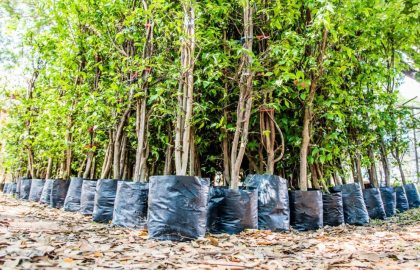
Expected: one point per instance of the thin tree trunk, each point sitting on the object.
(168, 157)
(226, 164)
(385, 164)
(416, 157)
(88, 167)
(80, 171)
(373, 177)
(107, 165)
(93, 170)
(243, 111)
(400, 167)
(49, 167)
(307, 116)
(185, 92)
(141, 115)
(359, 171)
(192, 154)
(314, 177)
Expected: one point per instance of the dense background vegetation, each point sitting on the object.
(108, 82)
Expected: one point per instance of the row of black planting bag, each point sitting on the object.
(180, 208)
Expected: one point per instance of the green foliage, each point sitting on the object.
(86, 76)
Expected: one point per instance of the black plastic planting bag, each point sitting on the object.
(46, 192)
(58, 192)
(177, 207)
(130, 209)
(412, 195)
(72, 201)
(104, 200)
(87, 197)
(355, 212)
(36, 190)
(12, 188)
(306, 211)
(232, 211)
(25, 188)
(374, 204)
(273, 201)
(18, 182)
(389, 199)
(333, 212)
(402, 202)
(4, 187)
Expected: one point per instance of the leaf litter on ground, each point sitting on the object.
(34, 236)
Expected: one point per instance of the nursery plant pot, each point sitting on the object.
(18, 183)
(103, 207)
(87, 196)
(12, 189)
(130, 209)
(36, 190)
(389, 199)
(25, 188)
(412, 195)
(355, 212)
(58, 192)
(46, 192)
(374, 204)
(5, 187)
(333, 212)
(273, 201)
(72, 201)
(177, 207)
(306, 211)
(402, 202)
(232, 211)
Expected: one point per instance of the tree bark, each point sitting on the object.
(359, 171)
(373, 177)
(185, 92)
(49, 167)
(243, 111)
(397, 157)
(168, 157)
(385, 164)
(141, 114)
(307, 116)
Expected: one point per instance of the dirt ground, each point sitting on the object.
(33, 236)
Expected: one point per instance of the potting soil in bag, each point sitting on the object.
(412, 195)
(72, 201)
(130, 208)
(177, 207)
(402, 202)
(333, 212)
(374, 204)
(306, 211)
(25, 188)
(58, 192)
(355, 212)
(273, 201)
(87, 197)
(104, 200)
(36, 190)
(389, 200)
(46, 192)
(232, 211)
